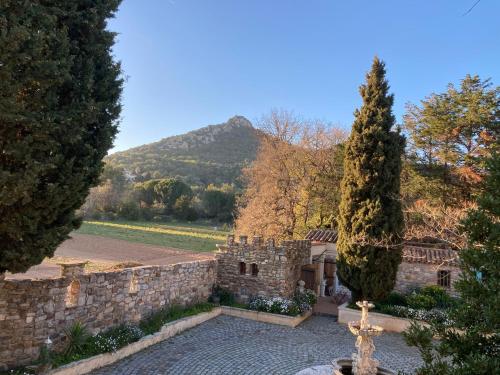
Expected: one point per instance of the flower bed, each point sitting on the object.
(299, 304)
(427, 304)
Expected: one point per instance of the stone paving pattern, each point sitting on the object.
(234, 346)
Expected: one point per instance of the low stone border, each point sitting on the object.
(171, 329)
(387, 322)
(284, 320)
(168, 330)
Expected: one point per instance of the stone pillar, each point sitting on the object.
(243, 240)
(72, 269)
(230, 239)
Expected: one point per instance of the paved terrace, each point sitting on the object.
(234, 346)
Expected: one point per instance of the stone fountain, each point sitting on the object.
(362, 362)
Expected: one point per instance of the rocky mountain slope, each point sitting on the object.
(214, 154)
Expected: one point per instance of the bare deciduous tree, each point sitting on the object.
(293, 184)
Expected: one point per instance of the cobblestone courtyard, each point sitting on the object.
(233, 346)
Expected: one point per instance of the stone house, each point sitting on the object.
(423, 263)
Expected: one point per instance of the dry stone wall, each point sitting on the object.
(261, 268)
(32, 310)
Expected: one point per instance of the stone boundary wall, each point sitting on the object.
(413, 275)
(32, 310)
(261, 268)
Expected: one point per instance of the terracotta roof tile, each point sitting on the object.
(322, 235)
(416, 254)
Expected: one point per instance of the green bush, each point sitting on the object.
(420, 301)
(146, 213)
(441, 298)
(395, 298)
(226, 298)
(156, 320)
(76, 335)
(430, 297)
(129, 211)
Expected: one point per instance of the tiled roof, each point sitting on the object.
(416, 254)
(322, 235)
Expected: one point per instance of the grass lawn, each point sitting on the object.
(186, 236)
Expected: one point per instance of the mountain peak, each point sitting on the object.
(239, 121)
(214, 154)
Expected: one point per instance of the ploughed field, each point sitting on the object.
(108, 245)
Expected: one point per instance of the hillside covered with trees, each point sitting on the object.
(214, 154)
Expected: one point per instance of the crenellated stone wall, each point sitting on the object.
(32, 310)
(278, 267)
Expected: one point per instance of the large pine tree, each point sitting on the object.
(370, 218)
(470, 339)
(59, 102)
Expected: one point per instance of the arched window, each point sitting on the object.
(243, 268)
(73, 293)
(255, 269)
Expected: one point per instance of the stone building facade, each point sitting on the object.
(423, 264)
(427, 265)
(32, 310)
(261, 268)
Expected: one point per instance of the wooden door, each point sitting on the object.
(308, 276)
(330, 273)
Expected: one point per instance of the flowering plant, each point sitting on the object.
(437, 315)
(301, 302)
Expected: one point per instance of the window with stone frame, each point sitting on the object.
(444, 278)
(243, 268)
(255, 269)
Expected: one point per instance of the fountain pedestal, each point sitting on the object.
(362, 362)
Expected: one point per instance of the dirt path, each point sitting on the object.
(109, 251)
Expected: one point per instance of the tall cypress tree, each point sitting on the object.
(59, 104)
(370, 216)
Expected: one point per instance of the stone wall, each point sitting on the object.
(278, 267)
(32, 310)
(413, 275)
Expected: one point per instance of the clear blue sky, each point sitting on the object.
(191, 63)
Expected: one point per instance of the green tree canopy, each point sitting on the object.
(452, 134)
(59, 104)
(470, 340)
(169, 190)
(219, 202)
(370, 219)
